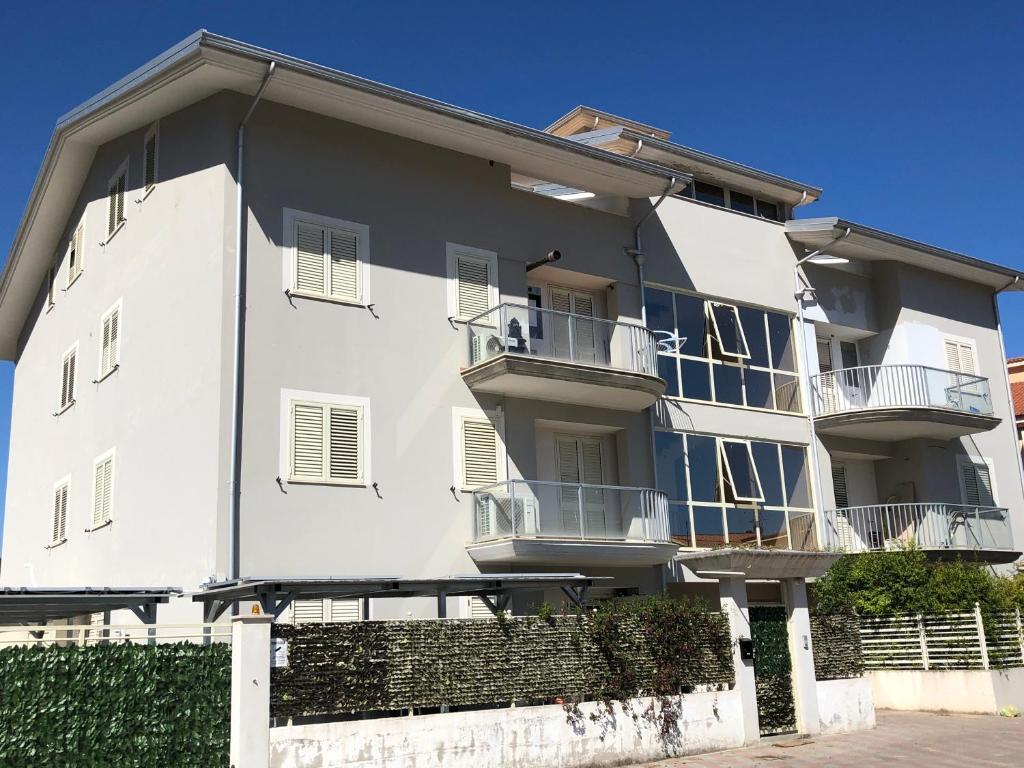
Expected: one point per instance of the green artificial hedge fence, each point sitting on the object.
(397, 665)
(837, 646)
(127, 706)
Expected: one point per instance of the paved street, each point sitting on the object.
(901, 739)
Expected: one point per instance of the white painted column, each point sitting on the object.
(250, 691)
(801, 651)
(733, 597)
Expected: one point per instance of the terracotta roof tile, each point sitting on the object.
(1017, 389)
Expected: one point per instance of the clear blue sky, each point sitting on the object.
(909, 115)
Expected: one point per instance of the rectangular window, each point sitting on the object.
(740, 471)
(960, 356)
(728, 330)
(115, 199)
(60, 513)
(51, 279)
(472, 282)
(327, 443)
(69, 367)
(768, 210)
(709, 193)
(479, 450)
(75, 253)
(739, 201)
(976, 482)
(150, 156)
(103, 490)
(326, 258)
(110, 341)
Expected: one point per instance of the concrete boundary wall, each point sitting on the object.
(969, 690)
(845, 705)
(538, 737)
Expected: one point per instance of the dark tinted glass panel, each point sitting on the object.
(702, 461)
(668, 448)
(781, 332)
(709, 193)
(766, 457)
(533, 299)
(773, 530)
(741, 202)
(707, 527)
(741, 526)
(801, 531)
(759, 388)
(692, 324)
(696, 379)
(787, 393)
(659, 310)
(679, 524)
(848, 350)
(757, 338)
(686, 191)
(794, 468)
(728, 387)
(727, 323)
(667, 371)
(768, 210)
(742, 470)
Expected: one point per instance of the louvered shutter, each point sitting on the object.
(307, 441)
(478, 609)
(60, 513)
(110, 348)
(102, 488)
(346, 610)
(473, 281)
(977, 479)
(308, 611)
(345, 440)
(960, 357)
(67, 391)
(479, 453)
(569, 473)
(561, 301)
(344, 267)
(120, 197)
(583, 307)
(105, 347)
(839, 486)
(592, 472)
(309, 258)
(112, 209)
(149, 161)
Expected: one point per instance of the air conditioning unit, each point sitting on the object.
(493, 521)
(484, 347)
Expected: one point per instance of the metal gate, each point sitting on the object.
(773, 670)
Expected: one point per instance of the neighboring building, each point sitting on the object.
(426, 392)
(1015, 369)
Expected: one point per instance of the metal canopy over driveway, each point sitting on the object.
(37, 606)
(275, 595)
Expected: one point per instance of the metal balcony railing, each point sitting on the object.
(934, 525)
(539, 509)
(899, 386)
(546, 333)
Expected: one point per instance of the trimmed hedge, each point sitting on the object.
(397, 665)
(115, 705)
(837, 646)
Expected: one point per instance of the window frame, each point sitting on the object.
(72, 383)
(962, 341)
(722, 441)
(496, 419)
(64, 482)
(689, 192)
(362, 404)
(117, 307)
(709, 306)
(122, 170)
(452, 253)
(76, 244)
(152, 132)
(291, 219)
(103, 457)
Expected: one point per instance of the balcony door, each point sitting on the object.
(842, 389)
(580, 461)
(574, 337)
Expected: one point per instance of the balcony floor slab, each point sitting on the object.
(904, 423)
(538, 551)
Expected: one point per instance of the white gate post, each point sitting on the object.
(732, 594)
(924, 641)
(250, 691)
(801, 653)
(982, 645)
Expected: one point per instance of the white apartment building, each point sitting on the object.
(412, 340)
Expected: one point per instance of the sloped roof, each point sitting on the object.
(1017, 390)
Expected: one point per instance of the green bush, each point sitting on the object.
(115, 705)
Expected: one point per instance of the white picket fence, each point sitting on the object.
(943, 641)
(100, 634)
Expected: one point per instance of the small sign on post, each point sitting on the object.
(278, 653)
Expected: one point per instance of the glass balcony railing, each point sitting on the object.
(545, 333)
(928, 526)
(899, 386)
(538, 509)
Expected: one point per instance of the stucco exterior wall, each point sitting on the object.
(845, 705)
(974, 691)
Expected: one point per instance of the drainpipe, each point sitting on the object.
(239, 345)
(1009, 391)
(801, 340)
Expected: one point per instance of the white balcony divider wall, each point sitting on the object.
(899, 386)
(933, 525)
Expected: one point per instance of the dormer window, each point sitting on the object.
(741, 202)
(709, 193)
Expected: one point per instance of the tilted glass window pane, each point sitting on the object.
(692, 322)
(709, 193)
(728, 330)
(668, 447)
(667, 371)
(741, 202)
(740, 469)
(702, 460)
(707, 526)
(757, 338)
(794, 468)
(766, 458)
(696, 379)
(780, 329)
(659, 310)
(728, 385)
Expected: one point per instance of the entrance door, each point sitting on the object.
(773, 670)
(574, 335)
(580, 462)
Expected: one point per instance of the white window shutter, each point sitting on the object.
(309, 258)
(345, 440)
(344, 264)
(308, 612)
(60, 513)
(473, 280)
(307, 441)
(839, 486)
(110, 352)
(590, 462)
(478, 609)
(103, 481)
(346, 610)
(67, 389)
(561, 300)
(479, 453)
(960, 357)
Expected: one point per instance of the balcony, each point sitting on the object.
(521, 351)
(942, 530)
(534, 522)
(898, 402)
